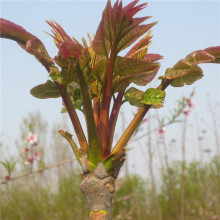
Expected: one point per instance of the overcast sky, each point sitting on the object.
(184, 26)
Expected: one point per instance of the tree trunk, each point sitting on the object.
(98, 189)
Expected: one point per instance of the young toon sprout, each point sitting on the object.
(91, 76)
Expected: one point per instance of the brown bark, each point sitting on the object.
(98, 189)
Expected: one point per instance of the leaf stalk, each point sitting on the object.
(73, 117)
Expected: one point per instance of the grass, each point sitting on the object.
(133, 199)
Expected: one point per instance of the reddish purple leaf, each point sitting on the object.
(104, 34)
(140, 47)
(152, 57)
(140, 79)
(69, 49)
(130, 10)
(133, 35)
(26, 40)
(199, 56)
(118, 27)
(14, 32)
(180, 69)
(59, 34)
(215, 51)
(192, 76)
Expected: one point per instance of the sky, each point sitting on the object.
(184, 26)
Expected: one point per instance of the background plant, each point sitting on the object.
(56, 192)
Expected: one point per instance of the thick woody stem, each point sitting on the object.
(98, 189)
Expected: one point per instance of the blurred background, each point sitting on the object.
(172, 171)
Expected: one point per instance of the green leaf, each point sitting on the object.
(114, 162)
(153, 97)
(76, 150)
(99, 69)
(13, 165)
(77, 105)
(74, 91)
(84, 58)
(45, 91)
(91, 166)
(157, 106)
(5, 164)
(134, 96)
(192, 76)
(68, 75)
(65, 76)
(8, 166)
(84, 42)
(94, 148)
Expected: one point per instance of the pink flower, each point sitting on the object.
(25, 149)
(161, 131)
(31, 139)
(145, 119)
(37, 155)
(187, 113)
(29, 161)
(35, 144)
(190, 103)
(7, 178)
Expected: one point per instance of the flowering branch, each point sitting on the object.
(36, 171)
(183, 104)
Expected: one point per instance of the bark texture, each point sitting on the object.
(98, 189)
